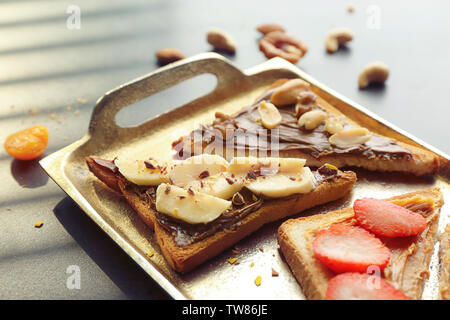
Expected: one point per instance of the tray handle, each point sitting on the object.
(103, 115)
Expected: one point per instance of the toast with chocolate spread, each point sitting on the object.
(407, 268)
(199, 209)
(310, 128)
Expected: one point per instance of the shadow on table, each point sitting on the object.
(28, 174)
(127, 275)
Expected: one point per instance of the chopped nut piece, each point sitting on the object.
(270, 116)
(232, 260)
(274, 273)
(221, 40)
(150, 254)
(350, 137)
(350, 8)
(312, 119)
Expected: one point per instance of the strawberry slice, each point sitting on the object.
(344, 248)
(359, 286)
(384, 218)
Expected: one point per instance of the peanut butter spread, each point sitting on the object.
(245, 131)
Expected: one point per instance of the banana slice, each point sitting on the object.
(143, 172)
(223, 185)
(189, 206)
(197, 167)
(244, 165)
(283, 185)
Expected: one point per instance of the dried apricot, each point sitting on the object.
(27, 144)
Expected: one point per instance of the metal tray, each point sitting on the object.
(258, 253)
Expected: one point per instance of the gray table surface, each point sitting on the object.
(52, 75)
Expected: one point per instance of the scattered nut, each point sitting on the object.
(312, 119)
(221, 40)
(350, 137)
(270, 116)
(168, 55)
(375, 71)
(283, 45)
(270, 27)
(275, 273)
(305, 102)
(288, 92)
(232, 260)
(350, 8)
(333, 125)
(337, 37)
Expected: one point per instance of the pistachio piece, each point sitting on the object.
(270, 116)
(288, 92)
(312, 119)
(333, 125)
(350, 137)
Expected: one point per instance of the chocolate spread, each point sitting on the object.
(244, 129)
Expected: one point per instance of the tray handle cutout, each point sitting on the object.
(103, 116)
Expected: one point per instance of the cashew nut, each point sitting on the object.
(221, 40)
(337, 37)
(373, 72)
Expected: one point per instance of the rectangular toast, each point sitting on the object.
(410, 256)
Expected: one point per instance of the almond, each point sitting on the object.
(168, 55)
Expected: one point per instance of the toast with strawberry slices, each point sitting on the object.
(444, 283)
(409, 258)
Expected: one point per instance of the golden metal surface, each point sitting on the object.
(258, 254)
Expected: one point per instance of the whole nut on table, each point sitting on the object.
(221, 40)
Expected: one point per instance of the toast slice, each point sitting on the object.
(244, 131)
(226, 232)
(410, 256)
(185, 258)
(444, 282)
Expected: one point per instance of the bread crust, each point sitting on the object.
(184, 259)
(118, 184)
(444, 281)
(295, 238)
